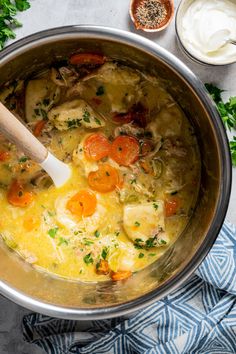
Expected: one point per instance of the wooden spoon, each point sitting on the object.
(18, 134)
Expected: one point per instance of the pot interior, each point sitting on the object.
(96, 300)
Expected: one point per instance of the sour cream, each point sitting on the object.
(206, 26)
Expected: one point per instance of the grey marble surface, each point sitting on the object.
(46, 14)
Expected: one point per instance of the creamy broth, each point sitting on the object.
(135, 163)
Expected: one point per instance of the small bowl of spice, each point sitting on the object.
(151, 15)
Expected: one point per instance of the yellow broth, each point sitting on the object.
(132, 225)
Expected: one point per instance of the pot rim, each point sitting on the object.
(107, 33)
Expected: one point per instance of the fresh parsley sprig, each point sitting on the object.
(8, 22)
(227, 111)
(232, 145)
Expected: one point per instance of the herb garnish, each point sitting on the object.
(141, 255)
(88, 242)
(227, 111)
(155, 206)
(23, 159)
(138, 243)
(132, 181)
(97, 121)
(104, 253)
(97, 233)
(62, 241)
(88, 259)
(232, 145)
(46, 101)
(8, 11)
(137, 224)
(52, 232)
(100, 91)
(86, 116)
(150, 243)
(73, 123)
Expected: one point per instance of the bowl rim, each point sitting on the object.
(131, 39)
(183, 47)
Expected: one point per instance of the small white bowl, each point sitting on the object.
(182, 8)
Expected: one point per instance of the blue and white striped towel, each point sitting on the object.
(199, 317)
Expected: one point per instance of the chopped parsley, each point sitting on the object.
(63, 241)
(227, 111)
(97, 121)
(141, 255)
(97, 233)
(155, 206)
(162, 242)
(74, 123)
(88, 259)
(37, 111)
(117, 233)
(23, 159)
(86, 116)
(137, 224)
(88, 242)
(100, 91)
(105, 252)
(232, 145)
(51, 213)
(46, 101)
(43, 113)
(138, 243)
(150, 242)
(132, 181)
(52, 232)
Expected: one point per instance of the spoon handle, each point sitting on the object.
(18, 134)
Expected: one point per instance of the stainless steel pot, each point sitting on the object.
(74, 300)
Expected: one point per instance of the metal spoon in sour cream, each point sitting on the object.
(208, 28)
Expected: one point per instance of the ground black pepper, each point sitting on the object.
(150, 13)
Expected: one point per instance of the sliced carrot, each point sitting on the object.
(39, 127)
(102, 267)
(125, 150)
(17, 196)
(105, 179)
(30, 224)
(87, 59)
(4, 155)
(83, 203)
(121, 275)
(96, 146)
(171, 206)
